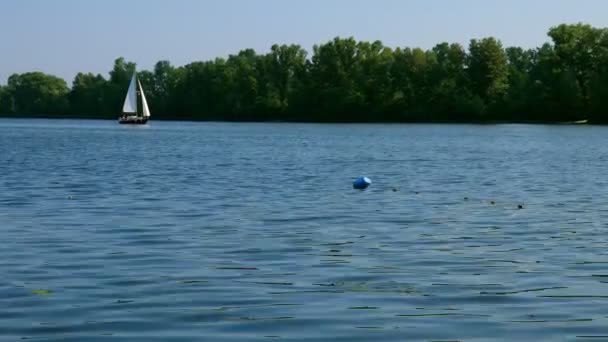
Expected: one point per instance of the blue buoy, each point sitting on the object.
(362, 183)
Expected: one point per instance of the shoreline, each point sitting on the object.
(445, 122)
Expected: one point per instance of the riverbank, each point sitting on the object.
(195, 119)
(345, 80)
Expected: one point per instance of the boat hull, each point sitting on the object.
(132, 120)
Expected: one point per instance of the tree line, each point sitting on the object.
(345, 80)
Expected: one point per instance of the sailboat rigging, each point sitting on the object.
(131, 113)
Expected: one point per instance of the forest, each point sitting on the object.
(344, 80)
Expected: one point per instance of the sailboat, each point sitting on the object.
(130, 109)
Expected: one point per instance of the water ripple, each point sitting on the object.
(233, 232)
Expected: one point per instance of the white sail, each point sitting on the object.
(130, 105)
(143, 101)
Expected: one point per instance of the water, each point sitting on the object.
(252, 232)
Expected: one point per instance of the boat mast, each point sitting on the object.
(138, 96)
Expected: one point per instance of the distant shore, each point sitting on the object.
(194, 119)
(564, 81)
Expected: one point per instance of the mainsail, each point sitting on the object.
(130, 105)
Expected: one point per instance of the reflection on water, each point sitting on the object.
(226, 232)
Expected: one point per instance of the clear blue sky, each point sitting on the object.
(63, 37)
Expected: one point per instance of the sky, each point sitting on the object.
(64, 37)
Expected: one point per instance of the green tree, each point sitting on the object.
(518, 97)
(412, 83)
(576, 49)
(6, 101)
(488, 71)
(200, 91)
(240, 76)
(451, 98)
(374, 63)
(88, 96)
(36, 93)
(281, 69)
(581, 56)
(333, 87)
(165, 79)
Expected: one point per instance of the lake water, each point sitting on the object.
(252, 232)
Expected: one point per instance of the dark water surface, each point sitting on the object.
(252, 232)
